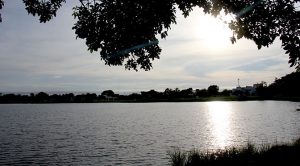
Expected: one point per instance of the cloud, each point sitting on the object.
(258, 65)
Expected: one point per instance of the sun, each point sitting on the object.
(212, 32)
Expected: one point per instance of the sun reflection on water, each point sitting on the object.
(219, 119)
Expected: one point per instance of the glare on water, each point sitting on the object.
(219, 118)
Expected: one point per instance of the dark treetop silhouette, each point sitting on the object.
(125, 31)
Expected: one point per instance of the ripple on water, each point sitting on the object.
(136, 134)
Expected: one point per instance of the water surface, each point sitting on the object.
(136, 133)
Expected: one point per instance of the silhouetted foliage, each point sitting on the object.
(187, 93)
(201, 92)
(213, 90)
(44, 9)
(168, 92)
(152, 94)
(108, 93)
(238, 93)
(41, 97)
(133, 96)
(125, 31)
(286, 154)
(263, 91)
(86, 98)
(286, 86)
(225, 92)
(172, 93)
(1, 6)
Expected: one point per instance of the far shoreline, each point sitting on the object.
(180, 100)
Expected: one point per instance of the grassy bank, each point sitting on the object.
(285, 155)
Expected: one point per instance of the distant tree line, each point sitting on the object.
(177, 94)
(43, 97)
(286, 87)
(109, 95)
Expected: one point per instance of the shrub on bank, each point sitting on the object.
(286, 155)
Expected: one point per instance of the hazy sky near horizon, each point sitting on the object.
(197, 53)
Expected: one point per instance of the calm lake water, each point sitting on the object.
(137, 133)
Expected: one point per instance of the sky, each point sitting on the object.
(197, 53)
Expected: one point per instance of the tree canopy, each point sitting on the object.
(213, 89)
(125, 32)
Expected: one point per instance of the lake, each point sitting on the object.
(137, 133)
